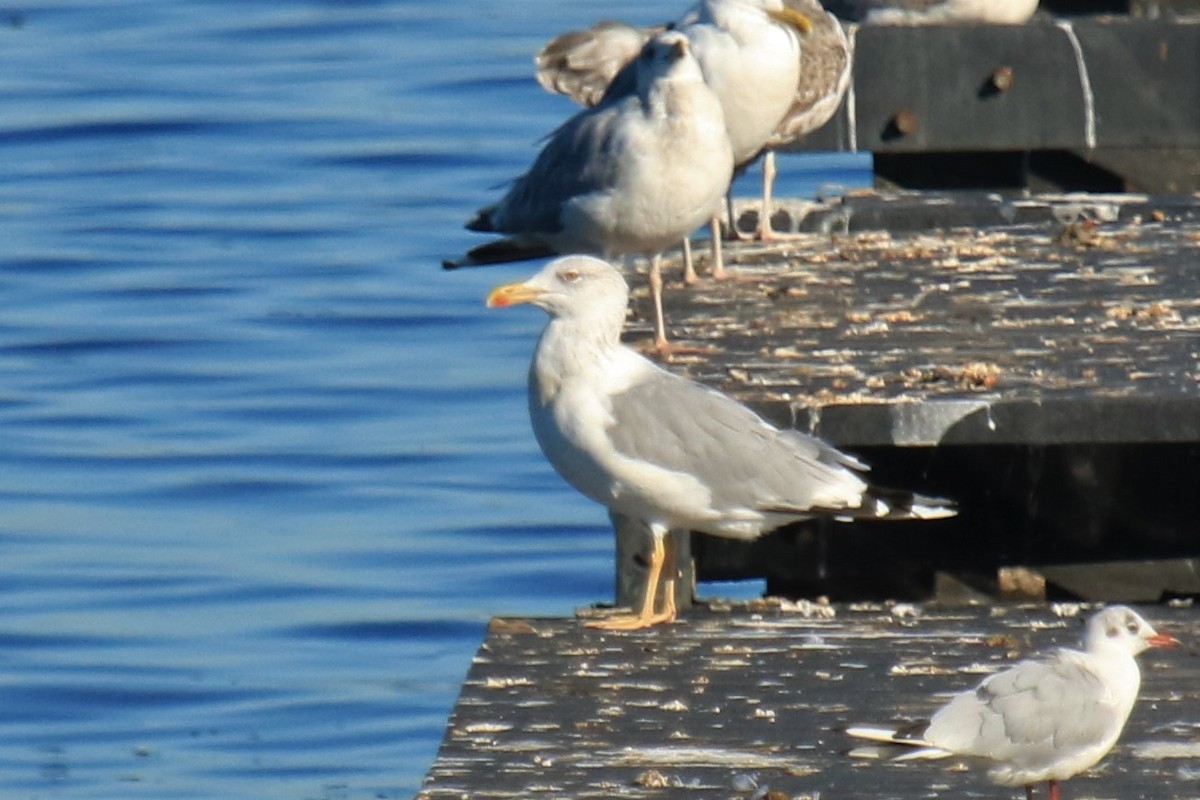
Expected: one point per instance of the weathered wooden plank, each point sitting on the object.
(727, 702)
(1042, 372)
(925, 319)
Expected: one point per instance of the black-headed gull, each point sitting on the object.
(1043, 719)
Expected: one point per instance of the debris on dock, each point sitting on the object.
(1035, 358)
(750, 702)
(907, 297)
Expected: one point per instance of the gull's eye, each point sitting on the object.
(569, 275)
(1132, 626)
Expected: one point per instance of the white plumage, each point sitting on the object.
(634, 174)
(1043, 719)
(665, 450)
(779, 68)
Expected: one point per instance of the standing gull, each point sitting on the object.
(824, 78)
(1041, 720)
(634, 174)
(664, 450)
(923, 12)
(749, 52)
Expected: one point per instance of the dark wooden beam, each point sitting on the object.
(1035, 358)
(1098, 101)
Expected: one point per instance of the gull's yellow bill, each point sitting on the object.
(512, 294)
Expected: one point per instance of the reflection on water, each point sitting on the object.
(265, 470)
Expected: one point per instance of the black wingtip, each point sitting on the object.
(501, 251)
(482, 222)
(899, 504)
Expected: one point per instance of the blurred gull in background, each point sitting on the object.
(749, 52)
(634, 174)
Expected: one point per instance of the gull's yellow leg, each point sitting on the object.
(647, 616)
(670, 571)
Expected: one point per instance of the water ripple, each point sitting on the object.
(266, 469)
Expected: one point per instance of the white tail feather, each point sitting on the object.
(922, 753)
(932, 512)
(891, 736)
(874, 734)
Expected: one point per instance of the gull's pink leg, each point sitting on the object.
(718, 265)
(689, 266)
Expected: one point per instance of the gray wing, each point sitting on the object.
(582, 64)
(825, 64)
(582, 156)
(746, 463)
(1038, 710)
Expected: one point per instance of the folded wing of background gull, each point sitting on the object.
(825, 68)
(922, 12)
(581, 64)
(1045, 719)
(634, 174)
(749, 52)
(659, 448)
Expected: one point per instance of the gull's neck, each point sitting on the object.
(682, 110)
(656, 89)
(572, 348)
(1117, 667)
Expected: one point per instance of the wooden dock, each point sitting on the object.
(750, 702)
(1036, 358)
(1086, 99)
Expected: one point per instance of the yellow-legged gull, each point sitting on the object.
(664, 450)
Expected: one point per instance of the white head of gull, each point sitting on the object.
(1044, 719)
(656, 447)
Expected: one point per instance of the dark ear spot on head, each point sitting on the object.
(1110, 631)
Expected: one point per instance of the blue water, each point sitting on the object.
(265, 470)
